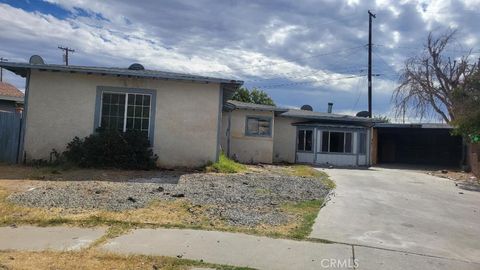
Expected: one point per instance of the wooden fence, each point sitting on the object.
(10, 123)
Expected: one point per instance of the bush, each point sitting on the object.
(112, 148)
(226, 165)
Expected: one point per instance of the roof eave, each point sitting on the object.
(10, 98)
(22, 68)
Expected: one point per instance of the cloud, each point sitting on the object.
(300, 52)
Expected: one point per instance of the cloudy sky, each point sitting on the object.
(300, 52)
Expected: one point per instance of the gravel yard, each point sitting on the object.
(246, 199)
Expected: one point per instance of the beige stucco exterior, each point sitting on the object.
(284, 142)
(62, 105)
(244, 148)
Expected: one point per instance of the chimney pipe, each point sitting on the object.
(330, 106)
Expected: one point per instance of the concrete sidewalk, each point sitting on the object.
(226, 248)
(31, 238)
(232, 249)
(275, 254)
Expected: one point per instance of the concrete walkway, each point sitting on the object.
(271, 254)
(232, 249)
(31, 238)
(401, 210)
(226, 248)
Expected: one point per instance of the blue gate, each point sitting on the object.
(10, 123)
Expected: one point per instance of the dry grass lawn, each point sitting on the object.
(178, 213)
(95, 260)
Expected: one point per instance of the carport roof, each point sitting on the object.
(414, 125)
(325, 116)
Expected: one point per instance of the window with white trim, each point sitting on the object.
(305, 140)
(336, 142)
(258, 126)
(362, 146)
(125, 111)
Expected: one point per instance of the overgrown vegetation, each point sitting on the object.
(467, 98)
(226, 165)
(307, 212)
(93, 259)
(112, 148)
(256, 96)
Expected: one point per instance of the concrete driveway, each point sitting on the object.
(402, 210)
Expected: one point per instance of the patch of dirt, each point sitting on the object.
(463, 180)
(247, 199)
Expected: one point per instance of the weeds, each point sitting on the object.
(226, 165)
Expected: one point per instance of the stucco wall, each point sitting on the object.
(249, 149)
(62, 106)
(284, 142)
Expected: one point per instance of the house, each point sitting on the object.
(180, 113)
(189, 120)
(11, 99)
(265, 134)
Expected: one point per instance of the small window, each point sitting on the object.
(113, 111)
(325, 139)
(362, 150)
(336, 142)
(305, 140)
(125, 112)
(258, 126)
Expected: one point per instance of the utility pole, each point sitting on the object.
(370, 16)
(67, 50)
(1, 69)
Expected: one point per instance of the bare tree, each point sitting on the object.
(428, 80)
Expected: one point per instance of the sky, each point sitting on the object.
(299, 52)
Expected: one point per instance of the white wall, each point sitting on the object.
(342, 159)
(284, 141)
(62, 105)
(244, 148)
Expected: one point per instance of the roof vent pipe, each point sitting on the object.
(330, 106)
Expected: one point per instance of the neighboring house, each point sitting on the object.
(260, 133)
(180, 113)
(11, 99)
(264, 134)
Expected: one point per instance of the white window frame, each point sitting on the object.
(126, 108)
(344, 142)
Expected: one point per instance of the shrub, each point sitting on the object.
(226, 165)
(112, 148)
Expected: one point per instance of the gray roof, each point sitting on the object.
(414, 125)
(294, 113)
(21, 69)
(252, 106)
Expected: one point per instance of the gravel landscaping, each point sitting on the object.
(240, 199)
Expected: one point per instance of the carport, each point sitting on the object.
(422, 144)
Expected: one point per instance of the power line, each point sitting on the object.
(308, 82)
(349, 70)
(66, 51)
(299, 58)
